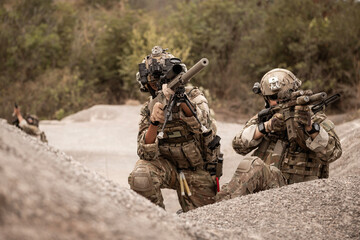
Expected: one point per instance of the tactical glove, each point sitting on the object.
(302, 115)
(167, 91)
(157, 114)
(276, 123)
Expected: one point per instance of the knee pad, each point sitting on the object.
(140, 180)
(245, 164)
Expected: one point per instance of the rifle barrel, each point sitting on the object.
(318, 107)
(185, 78)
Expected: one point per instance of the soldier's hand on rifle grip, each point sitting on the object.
(167, 91)
(276, 123)
(302, 115)
(157, 114)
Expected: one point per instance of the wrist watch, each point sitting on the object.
(315, 127)
(156, 123)
(261, 127)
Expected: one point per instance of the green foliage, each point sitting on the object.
(309, 38)
(58, 57)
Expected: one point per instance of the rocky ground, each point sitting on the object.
(81, 192)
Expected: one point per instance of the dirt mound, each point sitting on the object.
(45, 194)
(103, 113)
(321, 209)
(349, 163)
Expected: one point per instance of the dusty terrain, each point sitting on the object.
(103, 138)
(80, 191)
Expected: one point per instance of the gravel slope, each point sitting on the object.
(45, 194)
(321, 209)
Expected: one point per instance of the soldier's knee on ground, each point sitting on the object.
(249, 162)
(278, 179)
(242, 182)
(141, 182)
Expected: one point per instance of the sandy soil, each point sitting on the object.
(103, 138)
(46, 194)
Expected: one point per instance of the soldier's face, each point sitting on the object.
(153, 85)
(272, 102)
(272, 99)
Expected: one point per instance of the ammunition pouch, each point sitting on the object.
(185, 155)
(304, 164)
(192, 153)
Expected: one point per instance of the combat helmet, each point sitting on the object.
(154, 68)
(275, 81)
(32, 120)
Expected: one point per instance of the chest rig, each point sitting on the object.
(296, 163)
(179, 145)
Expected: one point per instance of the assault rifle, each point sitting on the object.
(287, 100)
(176, 81)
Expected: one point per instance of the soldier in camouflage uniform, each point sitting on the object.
(183, 151)
(277, 162)
(30, 125)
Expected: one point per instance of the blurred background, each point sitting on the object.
(58, 57)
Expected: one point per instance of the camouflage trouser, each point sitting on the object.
(252, 175)
(148, 177)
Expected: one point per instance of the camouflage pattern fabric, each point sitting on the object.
(325, 148)
(296, 165)
(33, 130)
(252, 175)
(184, 148)
(160, 173)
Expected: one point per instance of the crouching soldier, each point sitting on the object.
(185, 156)
(292, 145)
(29, 124)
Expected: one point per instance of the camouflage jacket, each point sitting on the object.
(322, 150)
(32, 130)
(182, 134)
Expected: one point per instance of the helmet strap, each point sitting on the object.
(151, 90)
(267, 104)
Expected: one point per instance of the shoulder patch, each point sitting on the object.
(327, 125)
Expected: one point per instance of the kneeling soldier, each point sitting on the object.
(185, 156)
(294, 145)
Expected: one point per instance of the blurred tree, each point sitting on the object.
(64, 55)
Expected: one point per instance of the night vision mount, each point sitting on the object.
(158, 72)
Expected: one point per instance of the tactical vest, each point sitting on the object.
(179, 145)
(296, 164)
